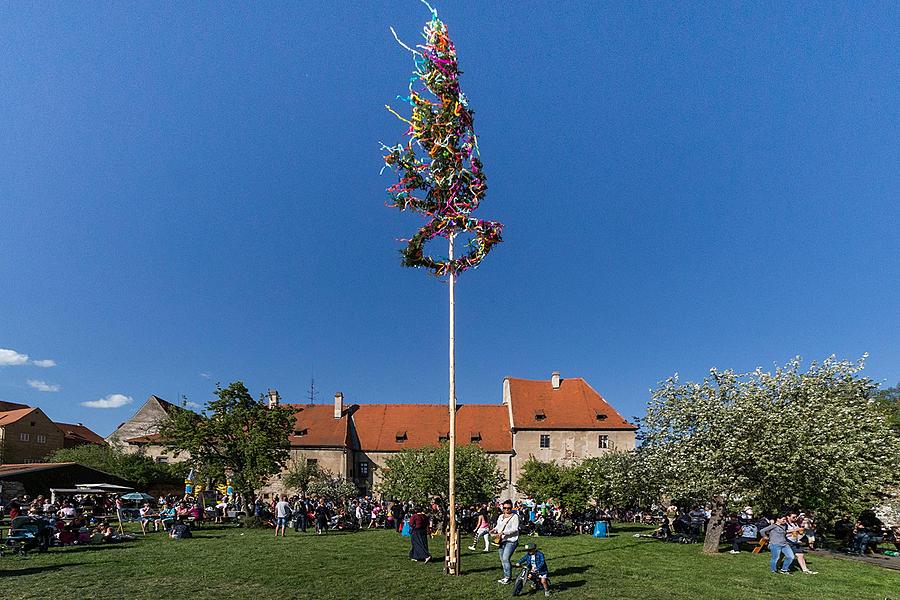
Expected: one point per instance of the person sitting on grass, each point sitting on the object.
(537, 571)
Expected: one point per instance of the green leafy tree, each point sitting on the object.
(135, 467)
(326, 484)
(778, 438)
(889, 400)
(236, 433)
(551, 481)
(423, 473)
(620, 479)
(299, 474)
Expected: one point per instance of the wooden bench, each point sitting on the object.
(762, 543)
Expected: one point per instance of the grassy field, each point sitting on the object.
(223, 563)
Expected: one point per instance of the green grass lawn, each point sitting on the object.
(222, 563)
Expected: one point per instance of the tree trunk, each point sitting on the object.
(249, 501)
(715, 526)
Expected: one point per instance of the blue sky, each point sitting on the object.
(190, 193)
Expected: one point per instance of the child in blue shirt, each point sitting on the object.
(538, 570)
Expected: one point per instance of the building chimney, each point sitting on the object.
(554, 380)
(338, 405)
(273, 398)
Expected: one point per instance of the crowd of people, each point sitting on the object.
(86, 518)
(69, 520)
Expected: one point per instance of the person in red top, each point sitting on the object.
(418, 536)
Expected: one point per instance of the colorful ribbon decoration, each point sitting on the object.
(440, 159)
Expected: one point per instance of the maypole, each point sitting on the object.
(440, 163)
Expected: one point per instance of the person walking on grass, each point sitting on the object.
(795, 532)
(776, 533)
(507, 530)
(282, 512)
(418, 536)
(482, 529)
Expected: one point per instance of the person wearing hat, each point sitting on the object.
(749, 530)
(538, 567)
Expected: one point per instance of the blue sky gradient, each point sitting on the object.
(191, 194)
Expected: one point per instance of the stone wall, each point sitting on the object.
(336, 460)
(144, 422)
(566, 447)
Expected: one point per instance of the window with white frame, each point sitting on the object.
(363, 468)
(41, 438)
(545, 441)
(24, 437)
(604, 442)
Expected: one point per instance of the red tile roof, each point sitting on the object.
(393, 427)
(11, 416)
(316, 427)
(575, 405)
(79, 433)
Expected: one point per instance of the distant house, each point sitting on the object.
(382, 430)
(563, 420)
(76, 434)
(140, 433)
(27, 435)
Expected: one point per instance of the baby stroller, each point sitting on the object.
(684, 532)
(27, 533)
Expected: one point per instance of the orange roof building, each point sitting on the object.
(27, 435)
(563, 420)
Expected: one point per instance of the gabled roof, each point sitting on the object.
(6, 406)
(393, 427)
(11, 416)
(575, 405)
(316, 427)
(166, 405)
(79, 433)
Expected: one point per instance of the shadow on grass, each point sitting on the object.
(37, 570)
(96, 547)
(568, 585)
(570, 570)
(632, 527)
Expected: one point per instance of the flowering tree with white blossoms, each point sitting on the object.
(815, 439)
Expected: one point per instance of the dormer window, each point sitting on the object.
(475, 437)
(400, 437)
(600, 416)
(444, 437)
(539, 415)
(301, 432)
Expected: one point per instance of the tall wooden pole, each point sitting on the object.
(454, 550)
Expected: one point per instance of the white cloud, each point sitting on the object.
(205, 375)
(43, 386)
(192, 405)
(45, 363)
(11, 358)
(111, 401)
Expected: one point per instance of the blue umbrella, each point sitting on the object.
(138, 496)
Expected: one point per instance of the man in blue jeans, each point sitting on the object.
(507, 529)
(778, 545)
